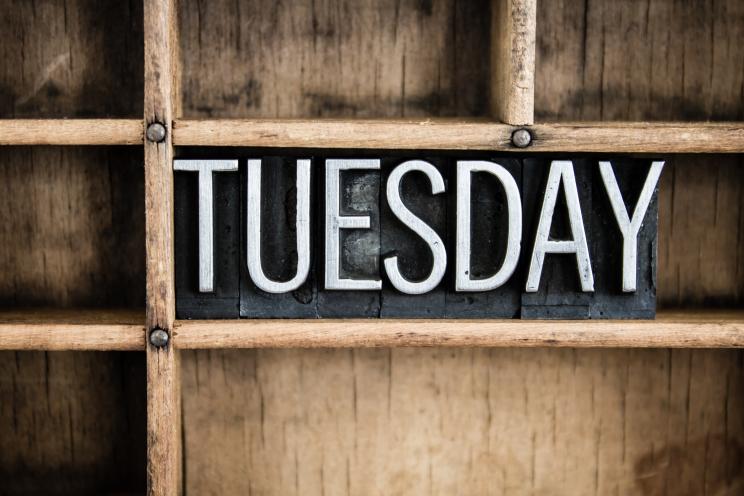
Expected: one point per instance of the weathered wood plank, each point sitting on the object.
(163, 377)
(71, 58)
(55, 329)
(701, 232)
(702, 329)
(72, 230)
(666, 60)
(470, 134)
(335, 58)
(70, 132)
(476, 421)
(513, 60)
(72, 422)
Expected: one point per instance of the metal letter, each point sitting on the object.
(302, 223)
(630, 228)
(463, 282)
(205, 168)
(425, 232)
(335, 222)
(561, 172)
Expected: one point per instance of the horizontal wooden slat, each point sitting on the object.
(669, 330)
(71, 132)
(434, 134)
(446, 134)
(640, 137)
(54, 329)
(326, 133)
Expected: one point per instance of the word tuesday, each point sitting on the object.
(560, 177)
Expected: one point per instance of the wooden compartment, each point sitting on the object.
(71, 58)
(334, 58)
(72, 234)
(635, 61)
(86, 240)
(486, 421)
(463, 421)
(72, 259)
(72, 423)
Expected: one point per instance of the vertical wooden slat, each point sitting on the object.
(513, 60)
(161, 103)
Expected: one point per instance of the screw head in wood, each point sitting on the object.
(521, 138)
(155, 132)
(159, 338)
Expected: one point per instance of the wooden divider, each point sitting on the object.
(671, 330)
(70, 132)
(464, 134)
(513, 24)
(163, 392)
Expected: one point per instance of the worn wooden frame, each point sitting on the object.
(511, 106)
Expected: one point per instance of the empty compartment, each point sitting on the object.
(335, 58)
(73, 225)
(701, 232)
(628, 60)
(72, 423)
(463, 421)
(71, 58)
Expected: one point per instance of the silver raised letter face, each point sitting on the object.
(561, 173)
(205, 168)
(439, 255)
(302, 224)
(630, 228)
(463, 282)
(334, 222)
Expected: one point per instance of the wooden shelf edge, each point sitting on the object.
(71, 132)
(464, 134)
(72, 329)
(669, 330)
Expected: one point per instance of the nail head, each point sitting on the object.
(159, 338)
(521, 138)
(155, 132)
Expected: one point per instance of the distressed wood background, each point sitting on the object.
(427, 421)
(72, 235)
(403, 421)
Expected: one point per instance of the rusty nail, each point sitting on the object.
(159, 338)
(155, 132)
(521, 138)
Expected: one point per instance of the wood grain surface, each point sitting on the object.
(70, 58)
(368, 421)
(513, 60)
(639, 60)
(71, 132)
(163, 377)
(502, 421)
(71, 237)
(72, 230)
(669, 330)
(335, 58)
(72, 423)
(463, 134)
(463, 421)
(71, 329)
